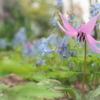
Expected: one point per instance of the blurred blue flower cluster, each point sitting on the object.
(95, 9)
(20, 37)
(71, 18)
(63, 48)
(38, 48)
(28, 50)
(45, 45)
(59, 2)
(39, 61)
(3, 43)
(53, 21)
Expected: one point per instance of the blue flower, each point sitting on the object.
(47, 40)
(95, 9)
(76, 26)
(94, 13)
(3, 43)
(63, 48)
(45, 49)
(59, 2)
(45, 45)
(71, 18)
(97, 5)
(92, 8)
(54, 22)
(73, 53)
(28, 50)
(40, 61)
(20, 37)
(36, 44)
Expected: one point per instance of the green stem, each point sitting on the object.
(84, 72)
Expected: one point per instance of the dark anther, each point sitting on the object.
(81, 36)
(78, 34)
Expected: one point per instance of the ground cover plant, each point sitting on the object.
(56, 64)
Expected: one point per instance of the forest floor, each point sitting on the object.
(14, 80)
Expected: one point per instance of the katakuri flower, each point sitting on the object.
(83, 32)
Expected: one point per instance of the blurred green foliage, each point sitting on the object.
(34, 15)
(30, 91)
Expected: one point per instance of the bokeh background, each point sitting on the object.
(36, 15)
(33, 47)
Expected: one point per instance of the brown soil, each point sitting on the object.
(13, 80)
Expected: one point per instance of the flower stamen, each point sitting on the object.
(81, 36)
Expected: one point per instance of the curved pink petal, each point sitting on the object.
(67, 32)
(92, 39)
(88, 27)
(91, 42)
(67, 25)
(80, 26)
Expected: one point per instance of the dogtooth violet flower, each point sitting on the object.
(82, 33)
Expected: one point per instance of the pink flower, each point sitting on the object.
(82, 33)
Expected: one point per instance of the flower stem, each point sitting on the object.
(84, 72)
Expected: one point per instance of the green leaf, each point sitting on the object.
(15, 67)
(40, 76)
(73, 92)
(52, 83)
(3, 73)
(16, 57)
(31, 90)
(64, 68)
(3, 88)
(73, 78)
(3, 98)
(94, 95)
(25, 98)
